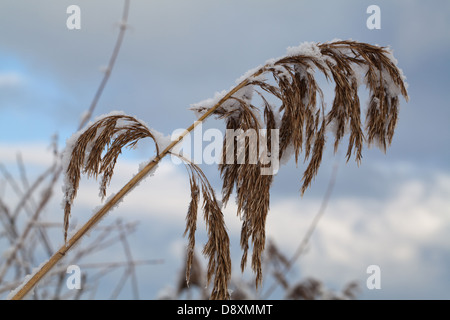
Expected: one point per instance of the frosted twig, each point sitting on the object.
(112, 60)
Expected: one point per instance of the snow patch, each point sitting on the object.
(308, 49)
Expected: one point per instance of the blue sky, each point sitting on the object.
(393, 210)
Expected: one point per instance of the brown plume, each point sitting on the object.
(304, 121)
(301, 119)
(86, 154)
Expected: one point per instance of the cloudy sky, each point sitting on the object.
(392, 211)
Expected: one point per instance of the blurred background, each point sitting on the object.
(392, 211)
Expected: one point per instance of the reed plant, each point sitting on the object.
(299, 114)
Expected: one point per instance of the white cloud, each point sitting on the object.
(395, 233)
(33, 153)
(164, 196)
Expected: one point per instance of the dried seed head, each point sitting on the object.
(217, 248)
(302, 126)
(85, 153)
(304, 122)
